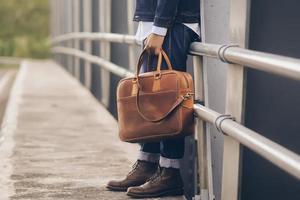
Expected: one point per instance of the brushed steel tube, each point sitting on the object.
(118, 70)
(108, 37)
(275, 64)
(271, 63)
(275, 153)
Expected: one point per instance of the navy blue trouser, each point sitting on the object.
(176, 45)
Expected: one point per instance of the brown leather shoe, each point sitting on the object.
(165, 182)
(140, 173)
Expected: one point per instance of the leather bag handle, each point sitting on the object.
(161, 55)
(158, 67)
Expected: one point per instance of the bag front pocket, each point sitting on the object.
(153, 105)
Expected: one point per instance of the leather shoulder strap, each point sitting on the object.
(174, 106)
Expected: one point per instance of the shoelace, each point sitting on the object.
(135, 165)
(156, 176)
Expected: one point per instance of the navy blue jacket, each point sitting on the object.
(164, 13)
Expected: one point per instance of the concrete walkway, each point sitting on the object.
(57, 141)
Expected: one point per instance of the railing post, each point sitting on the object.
(87, 27)
(64, 28)
(53, 21)
(69, 11)
(105, 26)
(68, 29)
(130, 25)
(234, 101)
(76, 29)
(61, 24)
(57, 25)
(202, 137)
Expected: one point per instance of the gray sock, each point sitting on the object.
(169, 163)
(149, 157)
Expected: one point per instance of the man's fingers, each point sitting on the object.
(149, 49)
(153, 50)
(145, 42)
(157, 51)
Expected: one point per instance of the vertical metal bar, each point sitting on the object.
(60, 18)
(51, 19)
(63, 27)
(87, 27)
(234, 101)
(76, 28)
(52, 15)
(105, 26)
(66, 24)
(56, 25)
(69, 30)
(203, 137)
(199, 95)
(130, 25)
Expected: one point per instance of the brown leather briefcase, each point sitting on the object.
(155, 105)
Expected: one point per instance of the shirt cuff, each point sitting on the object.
(159, 30)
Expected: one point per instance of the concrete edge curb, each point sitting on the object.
(8, 128)
(4, 81)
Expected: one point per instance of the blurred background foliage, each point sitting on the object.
(24, 28)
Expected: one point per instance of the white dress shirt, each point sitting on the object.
(146, 28)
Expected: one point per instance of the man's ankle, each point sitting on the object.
(169, 162)
(149, 157)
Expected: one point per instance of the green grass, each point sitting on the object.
(24, 28)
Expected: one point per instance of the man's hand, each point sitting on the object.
(154, 43)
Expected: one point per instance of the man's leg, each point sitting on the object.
(150, 152)
(176, 46)
(167, 180)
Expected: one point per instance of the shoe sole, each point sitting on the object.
(117, 189)
(172, 192)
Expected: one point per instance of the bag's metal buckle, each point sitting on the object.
(134, 80)
(188, 95)
(157, 75)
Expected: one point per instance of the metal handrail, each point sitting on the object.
(275, 153)
(288, 67)
(107, 37)
(271, 63)
(274, 64)
(118, 70)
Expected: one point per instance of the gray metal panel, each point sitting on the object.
(216, 23)
(272, 103)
